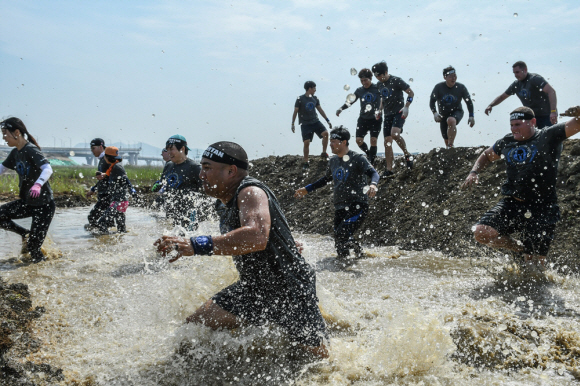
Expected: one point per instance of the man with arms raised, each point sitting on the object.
(534, 92)
(529, 205)
(349, 171)
(276, 284)
(369, 119)
(395, 112)
(448, 96)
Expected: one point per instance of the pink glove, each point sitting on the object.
(35, 190)
(120, 206)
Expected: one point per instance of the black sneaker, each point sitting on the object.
(387, 174)
(38, 258)
(409, 160)
(324, 155)
(305, 166)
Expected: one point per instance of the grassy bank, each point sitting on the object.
(78, 179)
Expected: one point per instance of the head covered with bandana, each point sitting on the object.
(229, 153)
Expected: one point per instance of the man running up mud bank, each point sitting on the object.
(276, 284)
(349, 171)
(529, 205)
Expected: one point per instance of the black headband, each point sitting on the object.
(519, 115)
(449, 72)
(220, 156)
(338, 136)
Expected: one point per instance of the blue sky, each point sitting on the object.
(141, 71)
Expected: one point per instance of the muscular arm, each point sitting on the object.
(411, 94)
(553, 103)
(496, 102)
(319, 108)
(487, 157)
(573, 125)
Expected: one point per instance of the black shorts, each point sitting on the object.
(309, 129)
(535, 222)
(457, 114)
(393, 120)
(363, 126)
(299, 316)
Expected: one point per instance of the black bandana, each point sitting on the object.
(220, 156)
(449, 72)
(523, 116)
(339, 137)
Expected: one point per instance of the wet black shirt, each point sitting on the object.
(449, 99)
(117, 183)
(530, 93)
(307, 109)
(370, 101)
(532, 165)
(350, 177)
(102, 185)
(280, 268)
(392, 93)
(181, 183)
(27, 162)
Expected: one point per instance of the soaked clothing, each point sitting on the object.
(443, 125)
(393, 120)
(308, 130)
(113, 209)
(370, 101)
(181, 185)
(27, 162)
(346, 222)
(530, 93)
(449, 99)
(307, 109)
(536, 223)
(392, 94)
(364, 126)
(101, 186)
(532, 165)
(103, 199)
(276, 285)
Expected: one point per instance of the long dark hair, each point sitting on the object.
(12, 124)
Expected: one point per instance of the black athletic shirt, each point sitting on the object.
(117, 183)
(280, 267)
(449, 99)
(307, 109)
(27, 162)
(370, 101)
(102, 185)
(392, 93)
(532, 165)
(530, 93)
(183, 177)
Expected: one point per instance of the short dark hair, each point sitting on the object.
(342, 132)
(521, 64)
(365, 73)
(309, 84)
(380, 68)
(524, 109)
(447, 69)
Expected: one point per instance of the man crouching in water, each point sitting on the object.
(276, 284)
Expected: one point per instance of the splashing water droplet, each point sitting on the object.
(328, 28)
(410, 79)
(440, 171)
(446, 212)
(353, 71)
(473, 94)
(368, 108)
(528, 214)
(350, 98)
(153, 115)
(71, 153)
(440, 19)
(346, 87)
(368, 232)
(81, 175)
(366, 189)
(423, 204)
(515, 15)
(346, 158)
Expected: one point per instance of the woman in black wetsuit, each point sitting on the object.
(36, 199)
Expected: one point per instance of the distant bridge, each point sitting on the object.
(130, 154)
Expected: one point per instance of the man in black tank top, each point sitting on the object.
(276, 284)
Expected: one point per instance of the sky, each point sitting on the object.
(141, 71)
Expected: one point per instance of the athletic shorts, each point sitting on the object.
(299, 316)
(309, 129)
(364, 126)
(543, 121)
(457, 114)
(536, 223)
(393, 120)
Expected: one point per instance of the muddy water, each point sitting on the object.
(115, 315)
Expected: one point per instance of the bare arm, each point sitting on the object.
(319, 108)
(411, 94)
(553, 103)
(294, 118)
(496, 102)
(487, 157)
(573, 125)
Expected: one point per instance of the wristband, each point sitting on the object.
(343, 107)
(374, 183)
(474, 172)
(327, 120)
(471, 115)
(309, 188)
(202, 245)
(410, 99)
(554, 111)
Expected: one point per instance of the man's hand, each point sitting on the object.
(338, 112)
(293, 128)
(100, 176)
(300, 193)
(90, 193)
(471, 121)
(167, 244)
(571, 112)
(329, 125)
(437, 117)
(299, 246)
(405, 112)
(372, 191)
(554, 118)
(378, 115)
(471, 179)
(488, 110)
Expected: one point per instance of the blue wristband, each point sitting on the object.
(202, 245)
(471, 115)
(410, 99)
(327, 120)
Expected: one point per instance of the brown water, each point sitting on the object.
(115, 314)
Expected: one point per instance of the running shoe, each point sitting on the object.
(305, 166)
(409, 160)
(324, 155)
(387, 174)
